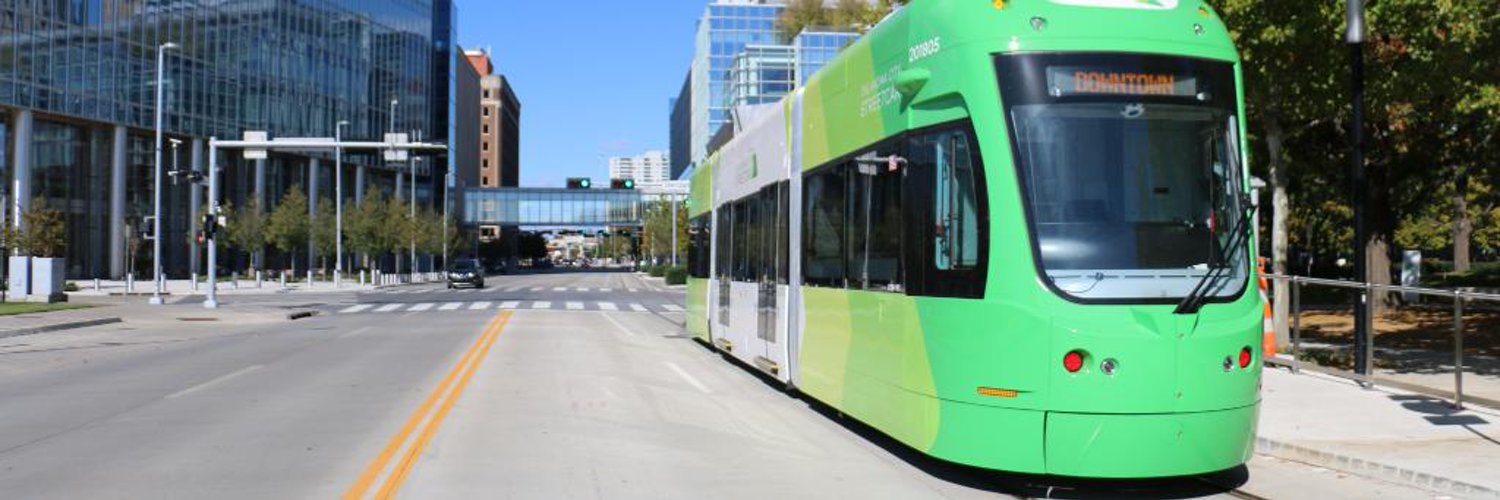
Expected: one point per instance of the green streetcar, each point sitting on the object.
(1009, 234)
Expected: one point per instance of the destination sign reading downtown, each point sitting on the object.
(1072, 81)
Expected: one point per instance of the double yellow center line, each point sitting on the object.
(447, 393)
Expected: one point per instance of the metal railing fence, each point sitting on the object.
(1365, 291)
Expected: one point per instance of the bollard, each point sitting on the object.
(129, 282)
(283, 279)
(235, 278)
(361, 277)
(195, 281)
(260, 278)
(96, 285)
(309, 279)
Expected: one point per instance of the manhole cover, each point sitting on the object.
(198, 320)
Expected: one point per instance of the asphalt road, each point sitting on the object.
(475, 400)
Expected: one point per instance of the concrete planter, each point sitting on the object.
(20, 278)
(48, 277)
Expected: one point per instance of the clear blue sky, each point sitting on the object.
(594, 77)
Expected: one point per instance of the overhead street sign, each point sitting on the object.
(396, 155)
(256, 136)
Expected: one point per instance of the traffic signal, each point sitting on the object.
(580, 183)
(210, 227)
(622, 183)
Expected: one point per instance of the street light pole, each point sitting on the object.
(1356, 39)
(213, 211)
(416, 134)
(338, 202)
(161, 59)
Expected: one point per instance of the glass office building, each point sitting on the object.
(762, 74)
(727, 26)
(815, 49)
(77, 97)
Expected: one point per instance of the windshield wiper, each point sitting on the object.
(1240, 236)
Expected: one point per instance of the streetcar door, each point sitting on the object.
(775, 290)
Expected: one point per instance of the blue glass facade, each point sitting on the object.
(725, 30)
(77, 97)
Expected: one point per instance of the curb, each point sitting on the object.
(59, 327)
(1371, 469)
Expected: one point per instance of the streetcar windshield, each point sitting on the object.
(1129, 171)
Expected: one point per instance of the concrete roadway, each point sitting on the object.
(473, 403)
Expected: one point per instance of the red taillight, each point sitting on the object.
(1073, 362)
(1246, 357)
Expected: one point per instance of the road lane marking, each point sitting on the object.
(388, 308)
(355, 309)
(575, 306)
(559, 289)
(536, 289)
(354, 332)
(421, 307)
(403, 469)
(510, 304)
(608, 306)
(469, 360)
(633, 290)
(582, 289)
(451, 306)
(483, 304)
(672, 308)
(213, 382)
(689, 378)
(541, 305)
(618, 325)
(606, 290)
(637, 307)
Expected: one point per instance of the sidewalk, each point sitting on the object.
(242, 287)
(138, 314)
(1382, 433)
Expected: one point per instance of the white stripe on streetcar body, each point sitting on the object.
(421, 307)
(388, 308)
(671, 307)
(355, 309)
(541, 305)
(608, 306)
(451, 306)
(575, 306)
(637, 307)
(510, 304)
(483, 304)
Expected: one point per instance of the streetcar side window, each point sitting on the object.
(783, 232)
(741, 241)
(946, 217)
(725, 237)
(823, 228)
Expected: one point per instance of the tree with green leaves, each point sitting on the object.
(853, 15)
(325, 232)
(245, 228)
(288, 229)
(368, 229)
(44, 231)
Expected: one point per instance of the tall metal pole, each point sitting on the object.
(1356, 39)
(213, 211)
(338, 202)
(161, 58)
(417, 134)
(674, 230)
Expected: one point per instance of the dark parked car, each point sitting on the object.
(466, 272)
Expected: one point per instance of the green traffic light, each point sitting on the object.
(584, 183)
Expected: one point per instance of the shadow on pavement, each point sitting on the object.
(1015, 484)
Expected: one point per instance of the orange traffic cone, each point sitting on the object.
(1268, 325)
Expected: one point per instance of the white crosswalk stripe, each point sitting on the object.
(637, 307)
(536, 289)
(633, 290)
(355, 309)
(513, 289)
(483, 304)
(421, 307)
(559, 289)
(575, 306)
(671, 307)
(608, 306)
(541, 305)
(451, 306)
(388, 308)
(510, 304)
(582, 289)
(606, 290)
